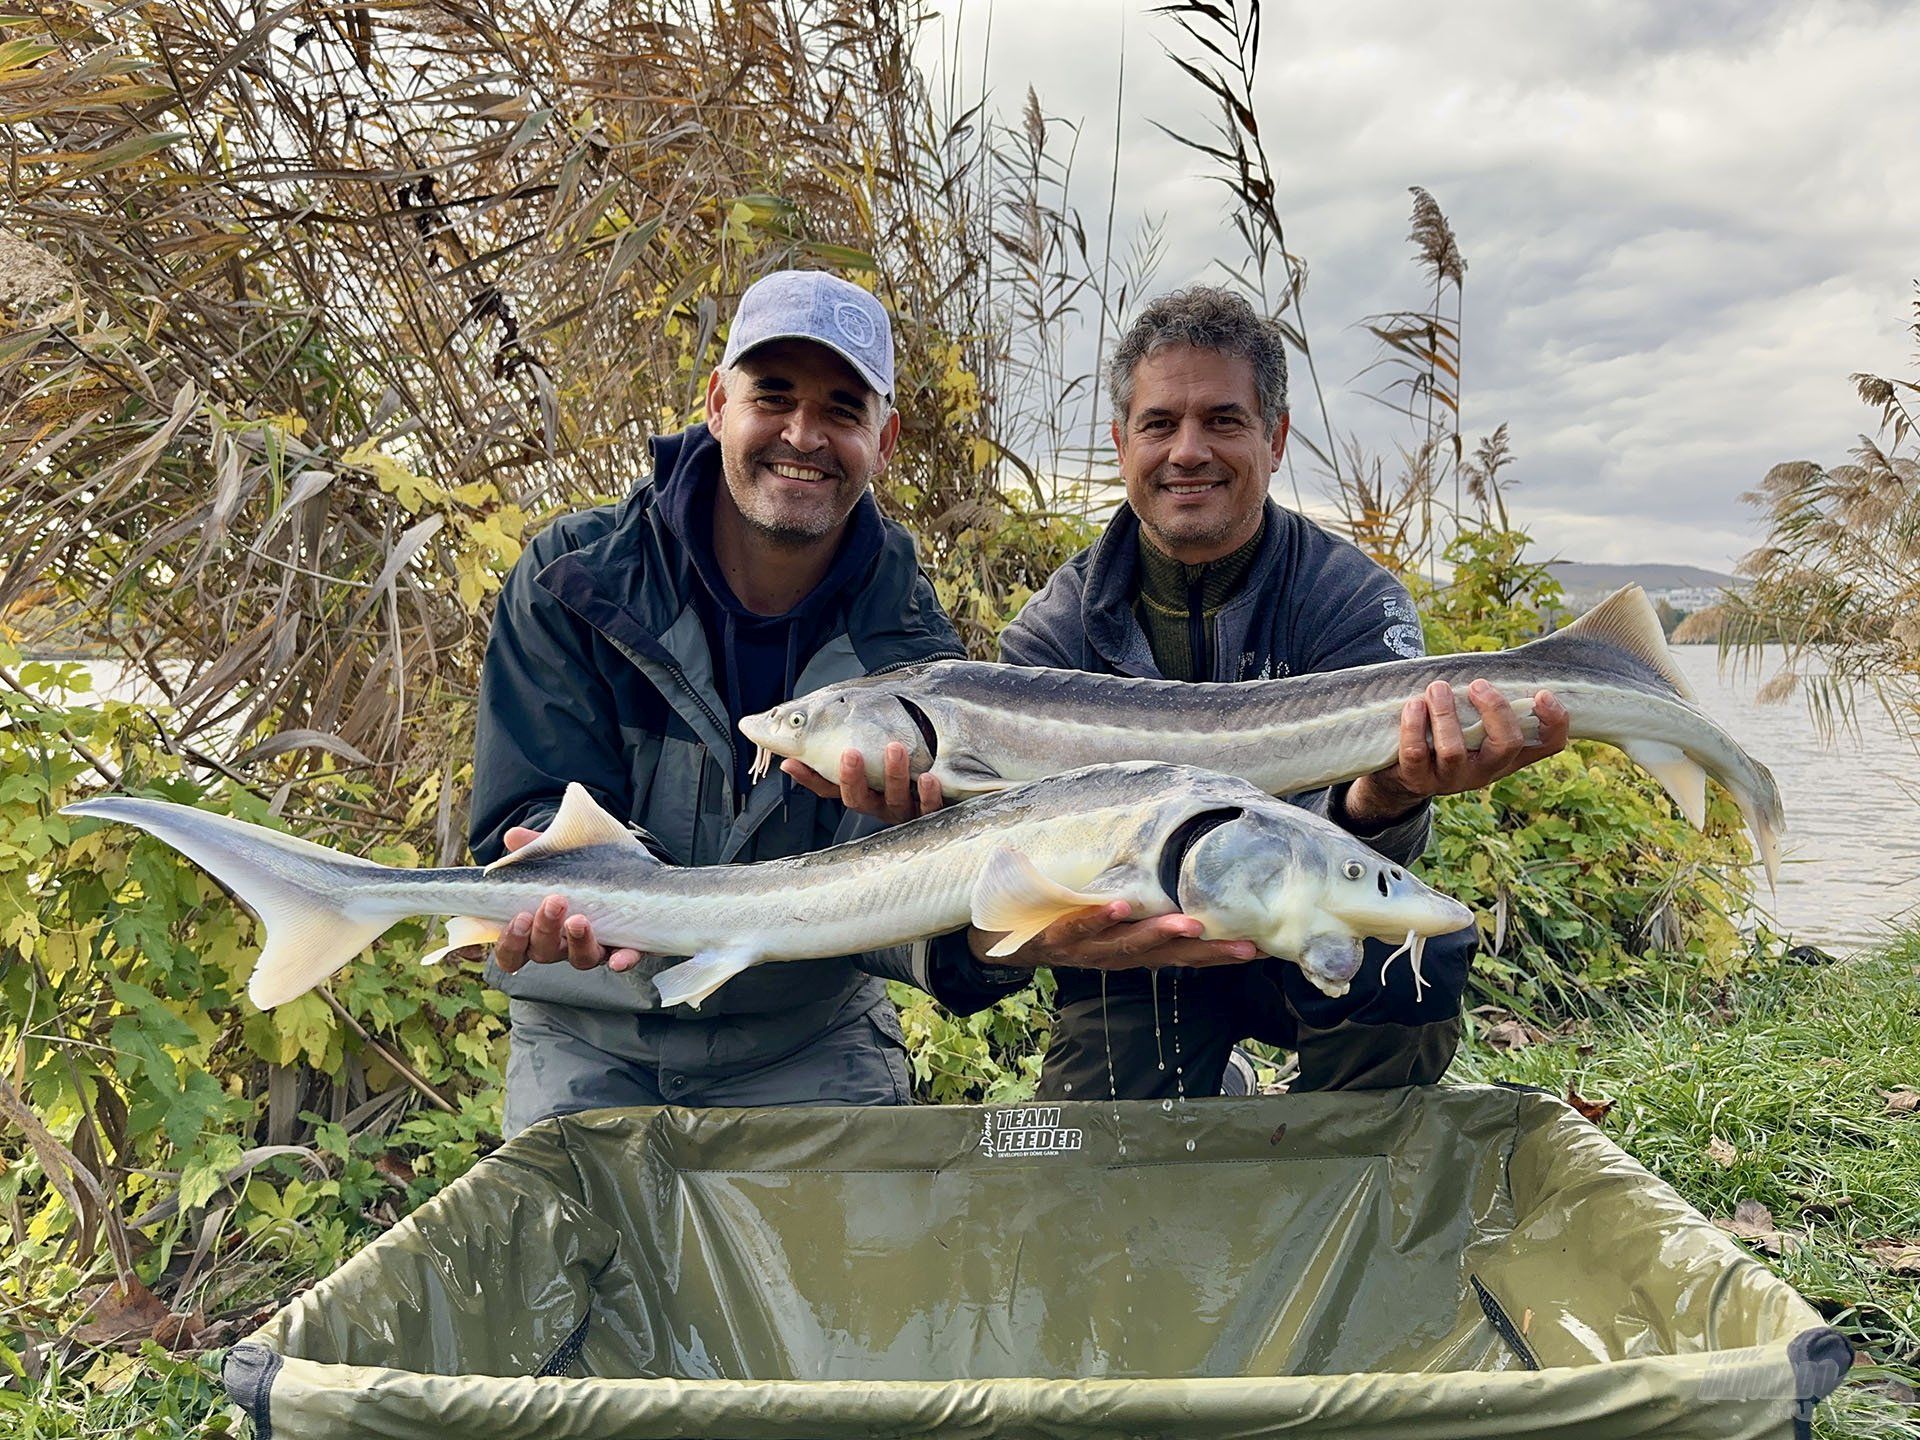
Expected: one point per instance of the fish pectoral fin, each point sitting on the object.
(580, 824)
(964, 776)
(1012, 895)
(692, 981)
(463, 932)
(1678, 774)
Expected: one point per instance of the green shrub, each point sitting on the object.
(122, 1019)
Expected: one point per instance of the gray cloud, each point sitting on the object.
(1685, 225)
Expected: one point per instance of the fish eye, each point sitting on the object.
(1353, 870)
(797, 720)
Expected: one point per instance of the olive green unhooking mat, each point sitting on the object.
(1414, 1263)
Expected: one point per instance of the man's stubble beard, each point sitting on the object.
(763, 516)
(1200, 532)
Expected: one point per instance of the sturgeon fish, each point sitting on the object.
(1160, 837)
(979, 727)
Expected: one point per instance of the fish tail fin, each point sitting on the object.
(304, 894)
(1627, 620)
(1765, 817)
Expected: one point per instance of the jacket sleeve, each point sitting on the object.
(1037, 636)
(545, 718)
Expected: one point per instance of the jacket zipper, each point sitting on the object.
(922, 660)
(680, 679)
(1197, 644)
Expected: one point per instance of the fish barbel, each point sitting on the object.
(979, 727)
(1160, 837)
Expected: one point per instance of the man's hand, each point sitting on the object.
(904, 798)
(1443, 765)
(547, 935)
(1105, 939)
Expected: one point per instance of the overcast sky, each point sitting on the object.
(1685, 224)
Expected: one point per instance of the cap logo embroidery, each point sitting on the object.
(856, 327)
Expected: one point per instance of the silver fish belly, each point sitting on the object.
(1011, 863)
(979, 727)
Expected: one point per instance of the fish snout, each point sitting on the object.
(761, 729)
(1446, 914)
(1414, 905)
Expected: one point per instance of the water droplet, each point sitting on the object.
(1129, 1277)
(1166, 1104)
(1068, 1087)
(1189, 1144)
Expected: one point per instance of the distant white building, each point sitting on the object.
(1688, 597)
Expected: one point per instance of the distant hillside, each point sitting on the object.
(1581, 577)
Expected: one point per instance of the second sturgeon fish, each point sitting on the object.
(980, 727)
(1161, 837)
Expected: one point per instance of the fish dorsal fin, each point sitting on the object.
(1011, 895)
(1627, 620)
(579, 825)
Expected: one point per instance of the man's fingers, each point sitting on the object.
(623, 960)
(1554, 723)
(1083, 925)
(899, 783)
(1449, 744)
(1143, 937)
(583, 951)
(518, 836)
(1199, 954)
(1143, 947)
(1416, 755)
(931, 797)
(855, 793)
(510, 950)
(1503, 739)
(544, 941)
(808, 778)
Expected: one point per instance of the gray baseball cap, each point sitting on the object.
(813, 305)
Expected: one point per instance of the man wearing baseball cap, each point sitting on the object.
(753, 566)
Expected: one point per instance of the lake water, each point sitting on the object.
(1852, 849)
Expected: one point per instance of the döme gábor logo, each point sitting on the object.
(1027, 1130)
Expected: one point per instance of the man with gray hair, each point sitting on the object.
(1201, 576)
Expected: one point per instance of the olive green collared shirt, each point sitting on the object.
(1179, 605)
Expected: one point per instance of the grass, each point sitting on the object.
(1787, 1069)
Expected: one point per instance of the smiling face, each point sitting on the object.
(1195, 453)
(801, 436)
